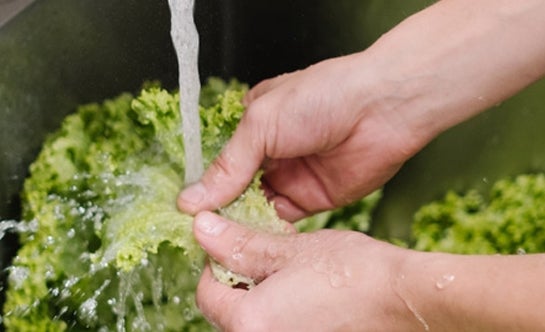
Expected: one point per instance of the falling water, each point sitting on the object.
(186, 42)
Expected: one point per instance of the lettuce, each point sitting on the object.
(108, 249)
(510, 219)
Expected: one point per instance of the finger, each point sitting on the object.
(285, 208)
(216, 301)
(231, 172)
(297, 188)
(263, 87)
(242, 250)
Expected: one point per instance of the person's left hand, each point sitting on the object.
(323, 281)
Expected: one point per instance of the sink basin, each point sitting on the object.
(57, 54)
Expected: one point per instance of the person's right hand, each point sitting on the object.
(319, 138)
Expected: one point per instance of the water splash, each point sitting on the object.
(140, 323)
(16, 226)
(88, 309)
(18, 275)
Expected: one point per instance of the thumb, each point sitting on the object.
(242, 250)
(230, 173)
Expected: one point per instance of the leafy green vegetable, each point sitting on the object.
(356, 216)
(104, 247)
(108, 249)
(511, 219)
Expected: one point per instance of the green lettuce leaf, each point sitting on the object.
(108, 249)
(509, 219)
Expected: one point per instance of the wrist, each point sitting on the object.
(402, 307)
(410, 297)
(426, 80)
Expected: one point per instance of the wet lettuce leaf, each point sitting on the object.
(104, 246)
(509, 219)
(108, 249)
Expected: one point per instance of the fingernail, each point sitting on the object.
(193, 194)
(210, 224)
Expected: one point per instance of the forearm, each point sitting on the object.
(473, 293)
(452, 60)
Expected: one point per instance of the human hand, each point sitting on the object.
(333, 132)
(318, 139)
(324, 281)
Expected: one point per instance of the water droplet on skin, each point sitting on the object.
(417, 315)
(322, 265)
(236, 252)
(337, 274)
(444, 281)
(339, 279)
(241, 240)
(275, 251)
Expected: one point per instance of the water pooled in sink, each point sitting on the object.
(186, 43)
